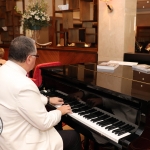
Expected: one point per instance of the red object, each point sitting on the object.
(37, 78)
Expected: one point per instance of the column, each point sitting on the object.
(116, 29)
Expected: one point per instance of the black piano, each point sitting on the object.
(121, 102)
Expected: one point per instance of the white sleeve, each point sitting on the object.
(43, 99)
(30, 105)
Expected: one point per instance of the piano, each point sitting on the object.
(123, 117)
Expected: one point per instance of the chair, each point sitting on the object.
(37, 78)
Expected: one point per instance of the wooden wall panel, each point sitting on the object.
(77, 57)
(47, 56)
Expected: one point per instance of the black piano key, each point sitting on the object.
(87, 112)
(126, 130)
(93, 115)
(96, 117)
(107, 122)
(73, 103)
(83, 112)
(120, 129)
(115, 125)
(76, 110)
(77, 106)
(101, 119)
(122, 132)
(116, 131)
(98, 113)
(84, 108)
(130, 128)
(69, 101)
(110, 120)
(125, 127)
(114, 120)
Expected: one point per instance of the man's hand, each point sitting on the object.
(56, 101)
(94, 102)
(65, 109)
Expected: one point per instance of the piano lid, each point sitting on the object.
(123, 81)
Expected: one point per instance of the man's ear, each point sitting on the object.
(28, 60)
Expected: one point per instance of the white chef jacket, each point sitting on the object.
(26, 123)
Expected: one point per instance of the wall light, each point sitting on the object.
(110, 8)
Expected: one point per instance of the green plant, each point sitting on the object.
(35, 14)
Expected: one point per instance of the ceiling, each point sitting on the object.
(143, 6)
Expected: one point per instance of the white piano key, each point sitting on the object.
(99, 129)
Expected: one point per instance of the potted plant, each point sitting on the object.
(35, 16)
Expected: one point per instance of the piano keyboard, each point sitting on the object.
(104, 123)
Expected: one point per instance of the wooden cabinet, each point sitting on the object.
(10, 19)
(140, 84)
(143, 34)
(71, 30)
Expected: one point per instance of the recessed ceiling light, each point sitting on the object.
(143, 6)
(147, 1)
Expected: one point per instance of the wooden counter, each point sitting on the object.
(66, 55)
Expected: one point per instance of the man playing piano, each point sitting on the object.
(26, 124)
